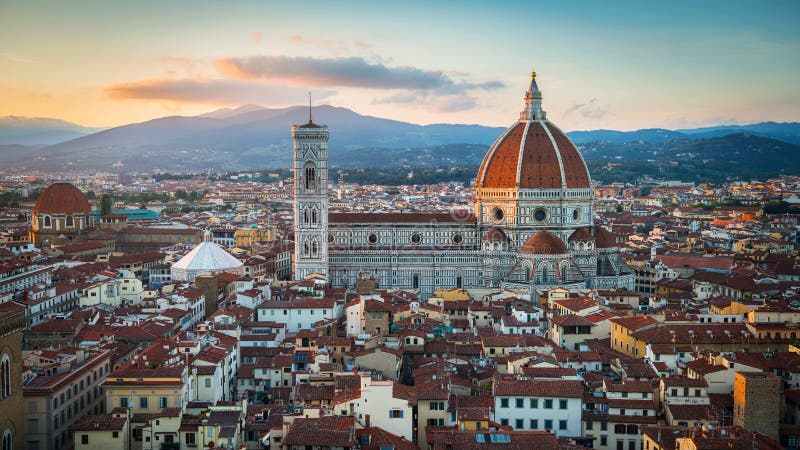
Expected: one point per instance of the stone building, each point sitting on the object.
(532, 224)
(756, 402)
(12, 320)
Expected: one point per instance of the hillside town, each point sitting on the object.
(177, 323)
(531, 308)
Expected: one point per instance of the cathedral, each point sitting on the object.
(532, 224)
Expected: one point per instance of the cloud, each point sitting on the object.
(214, 91)
(590, 109)
(431, 102)
(16, 58)
(256, 37)
(350, 72)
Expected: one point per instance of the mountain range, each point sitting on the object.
(252, 136)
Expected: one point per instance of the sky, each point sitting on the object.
(615, 64)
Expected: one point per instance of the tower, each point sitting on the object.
(310, 198)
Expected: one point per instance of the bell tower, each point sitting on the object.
(310, 198)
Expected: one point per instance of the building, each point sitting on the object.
(55, 399)
(101, 432)
(207, 258)
(536, 405)
(12, 320)
(166, 387)
(756, 402)
(531, 226)
(61, 212)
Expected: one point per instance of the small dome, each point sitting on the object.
(544, 243)
(581, 234)
(604, 238)
(62, 198)
(495, 234)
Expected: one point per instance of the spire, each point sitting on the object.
(533, 102)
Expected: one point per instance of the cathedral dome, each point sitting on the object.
(533, 154)
(544, 243)
(62, 198)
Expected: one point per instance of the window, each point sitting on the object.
(209, 433)
(5, 376)
(208, 382)
(603, 427)
(520, 402)
(123, 402)
(504, 422)
(143, 402)
(518, 424)
(534, 403)
(436, 406)
(162, 402)
(562, 424)
(548, 403)
(115, 434)
(33, 426)
(534, 424)
(562, 404)
(395, 413)
(85, 439)
(504, 403)
(603, 440)
(190, 439)
(548, 424)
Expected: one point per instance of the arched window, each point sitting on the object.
(311, 177)
(70, 222)
(527, 274)
(459, 282)
(545, 275)
(313, 217)
(415, 281)
(314, 248)
(306, 249)
(7, 440)
(5, 376)
(47, 222)
(305, 217)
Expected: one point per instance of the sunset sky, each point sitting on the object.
(619, 65)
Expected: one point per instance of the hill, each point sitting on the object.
(38, 131)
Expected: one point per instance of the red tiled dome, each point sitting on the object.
(604, 238)
(544, 243)
(533, 160)
(62, 198)
(581, 234)
(495, 234)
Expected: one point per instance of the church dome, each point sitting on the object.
(62, 198)
(533, 154)
(544, 243)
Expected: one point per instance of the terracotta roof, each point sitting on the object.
(581, 234)
(62, 198)
(604, 238)
(544, 243)
(102, 422)
(495, 234)
(533, 160)
(538, 388)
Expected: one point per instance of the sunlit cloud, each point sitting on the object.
(348, 72)
(256, 37)
(217, 91)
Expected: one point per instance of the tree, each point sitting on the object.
(180, 194)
